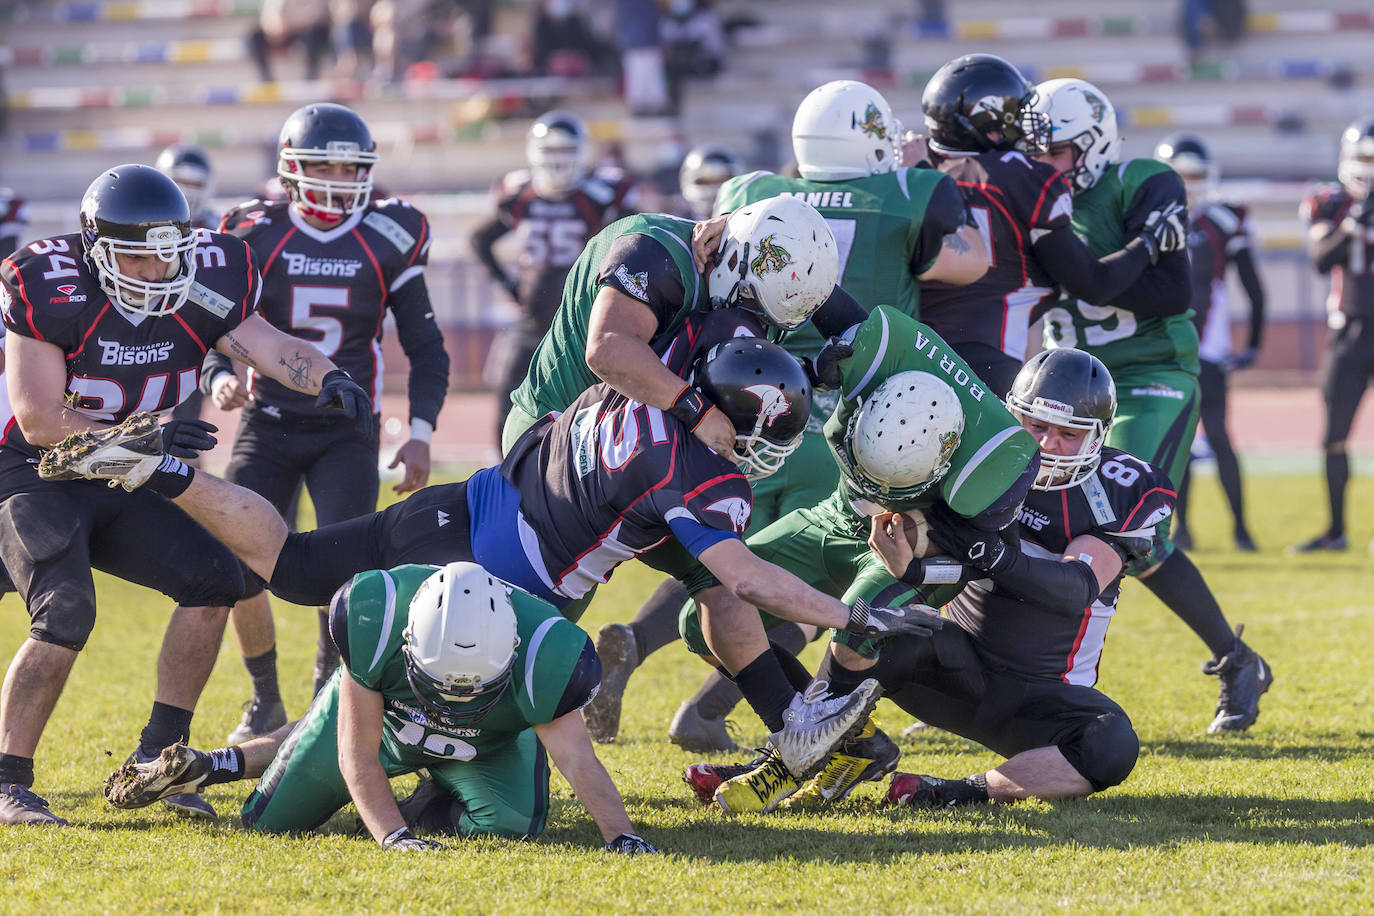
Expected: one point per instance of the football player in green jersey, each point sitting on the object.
(914, 427)
(443, 668)
(1147, 340)
(895, 228)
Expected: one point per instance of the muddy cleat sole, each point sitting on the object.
(258, 719)
(178, 770)
(705, 778)
(691, 731)
(812, 729)
(868, 757)
(615, 644)
(760, 790)
(125, 455)
(20, 805)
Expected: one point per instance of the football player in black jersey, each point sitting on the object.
(334, 263)
(1340, 235)
(103, 323)
(1219, 235)
(981, 131)
(1016, 670)
(557, 205)
(607, 480)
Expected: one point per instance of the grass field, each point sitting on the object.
(1278, 820)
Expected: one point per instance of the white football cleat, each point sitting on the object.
(125, 455)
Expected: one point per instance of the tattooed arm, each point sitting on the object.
(292, 361)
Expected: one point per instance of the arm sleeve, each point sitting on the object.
(641, 268)
(838, 314)
(1058, 586)
(1167, 288)
(1331, 250)
(214, 365)
(696, 537)
(423, 343)
(1083, 276)
(945, 213)
(582, 683)
(1254, 290)
(484, 237)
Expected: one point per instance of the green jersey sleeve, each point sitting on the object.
(994, 450)
(370, 614)
(547, 661)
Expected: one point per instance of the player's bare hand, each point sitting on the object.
(915, 151)
(415, 456)
(706, 236)
(227, 392)
(717, 432)
(887, 539)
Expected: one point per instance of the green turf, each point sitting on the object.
(1281, 819)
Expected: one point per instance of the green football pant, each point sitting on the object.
(504, 792)
(1156, 418)
(825, 550)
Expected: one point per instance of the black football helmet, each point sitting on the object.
(135, 210)
(1356, 170)
(1190, 157)
(325, 132)
(559, 151)
(1066, 387)
(764, 391)
(704, 170)
(980, 102)
(190, 168)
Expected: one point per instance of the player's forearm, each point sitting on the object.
(428, 384)
(1163, 290)
(1085, 277)
(214, 365)
(628, 365)
(963, 258)
(780, 593)
(484, 238)
(589, 780)
(1249, 278)
(47, 425)
(371, 793)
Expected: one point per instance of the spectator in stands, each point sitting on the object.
(641, 57)
(352, 26)
(693, 44)
(398, 36)
(282, 24)
(565, 43)
(1202, 22)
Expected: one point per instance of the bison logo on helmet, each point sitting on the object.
(772, 403)
(872, 123)
(734, 508)
(770, 259)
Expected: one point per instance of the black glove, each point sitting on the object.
(339, 391)
(691, 407)
(188, 438)
(986, 551)
(824, 370)
(1241, 360)
(630, 844)
(402, 840)
(882, 622)
(1165, 231)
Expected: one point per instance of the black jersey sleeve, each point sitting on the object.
(838, 313)
(641, 268)
(1083, 276)
(945, 213)
(704, 492)
(1248, 274)
(423, 343)
(1140, 496)
(36, 307)
(582, 684)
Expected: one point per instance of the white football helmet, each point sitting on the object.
(559, 151)
(703, 171)
(460, 642)
(1356, 169)
(899, 442)
(845, 129)
(778, 258)
(1081, 114)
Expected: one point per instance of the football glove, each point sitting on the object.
(1238, 361)
(339, 391)
(630, 844)
(402, 840)
(824, 370)
(986, 551)
(1165, 230)
(883, 622)
(188, 438)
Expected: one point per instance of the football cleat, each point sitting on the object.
(615, 643)
(190, 804)
(913, 790)
(20, 805)
(812, 729)
(1333, 542)
(867, 757)
(1245, 543)
(178, 770)
(759, 790)
(705, 778)
(1244, 678)
(259, 719)
(125, 455)
(691, 731)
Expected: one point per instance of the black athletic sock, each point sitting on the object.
(1337, 476)
(796, 672)
(1228, 472)
(1180, 520)
(166, 726)
(263, 670)
(171, 478)
(1181, 587)
(326, 653)
(14, 768)
(655, 626)
(227, 764)
(765, 686)
(716, 696)
(842, 680)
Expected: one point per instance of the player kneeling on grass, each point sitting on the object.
(1016, 670)
(450, 670)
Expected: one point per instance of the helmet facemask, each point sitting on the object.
(326, 198)
(1080, 116)
(1060, 472)
(1356, 169)
(174, 246)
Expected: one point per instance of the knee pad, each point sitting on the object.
(220, 582)
(1104, 751)
(35, 529)
(63, 616)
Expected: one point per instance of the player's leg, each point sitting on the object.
(1343, 384)
(343, 485)
(523, 341)
(1213, 408)
(498, 793)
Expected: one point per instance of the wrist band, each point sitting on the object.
(421, 430)
(691, 407)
